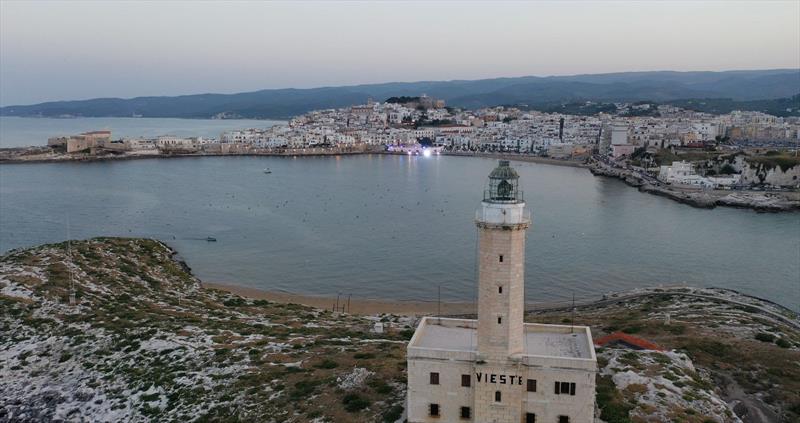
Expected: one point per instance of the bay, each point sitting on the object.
(397, 227)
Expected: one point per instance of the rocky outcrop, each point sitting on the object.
(762, 173)
(759, 201)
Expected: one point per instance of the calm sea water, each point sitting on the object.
(22, 132)
(398, 227)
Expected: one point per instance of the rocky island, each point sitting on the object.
(113, 329)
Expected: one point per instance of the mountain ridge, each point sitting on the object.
(532, 91)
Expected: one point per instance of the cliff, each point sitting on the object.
(145, 341)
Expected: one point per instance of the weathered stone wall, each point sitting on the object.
(497, 339)
(762, 174)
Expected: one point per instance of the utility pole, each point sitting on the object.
(572, 325)
(439, 303)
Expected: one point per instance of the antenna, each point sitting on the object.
(572, 324)
(439, 303)
(69, 266)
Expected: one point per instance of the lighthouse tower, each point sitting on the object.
(502, 222)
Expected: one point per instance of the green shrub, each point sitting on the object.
(783, 343)
(363, 356)
(393, 414)
(765, 337)
(304, 388)
(613, 408)
(632, 329)
(327, 364)
(407, 334)
(380, 386)
(354, 402)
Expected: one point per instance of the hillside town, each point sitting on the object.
(643, 142)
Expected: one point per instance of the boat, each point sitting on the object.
(267, 171)
(211, 239)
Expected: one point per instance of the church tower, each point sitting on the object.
(502, 222)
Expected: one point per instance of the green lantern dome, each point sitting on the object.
(503, 185)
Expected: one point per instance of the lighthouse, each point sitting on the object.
(497, 368)
(502, 223)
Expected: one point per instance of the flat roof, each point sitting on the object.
(540, 340)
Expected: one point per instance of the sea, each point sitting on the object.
(387, 227)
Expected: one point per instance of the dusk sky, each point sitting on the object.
(76, 50)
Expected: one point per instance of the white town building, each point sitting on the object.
(498, 369)
(683, 173)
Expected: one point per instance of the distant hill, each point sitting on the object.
(783, 107)
(658, 86)
(789, 106)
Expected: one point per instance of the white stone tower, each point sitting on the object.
(497, 369)
(502, 221)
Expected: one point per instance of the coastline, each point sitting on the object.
(759, 201)
(372, 307)
(521, 158)
(311, 152)
(357, 306)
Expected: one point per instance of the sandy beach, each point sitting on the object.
(359, 306)
(370, 306)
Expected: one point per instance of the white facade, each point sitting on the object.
(498, 369)
(619, 134)
(683, 173)
(168, 141)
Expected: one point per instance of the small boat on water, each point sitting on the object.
(211, 239)
(267, 171)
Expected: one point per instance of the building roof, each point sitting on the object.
(627, 340)
(540, 340)
(503, 171)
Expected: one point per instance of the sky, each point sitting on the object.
(67, 50)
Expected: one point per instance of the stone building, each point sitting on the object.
(497, 368)
(87, 141)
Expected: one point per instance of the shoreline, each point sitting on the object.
(758, 201)
(312, 152)
(357, 306)
(522, 158)
(372, 307)
(125, 157)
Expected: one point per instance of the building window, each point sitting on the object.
(434, 410)
(565, 388)
(563, 419)
(531, 385)
(466, 413)
(498, 396)
(501, 258)
(500, 289)
(499, 320)
(466, 380)
(530, 418)
(434, 378)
